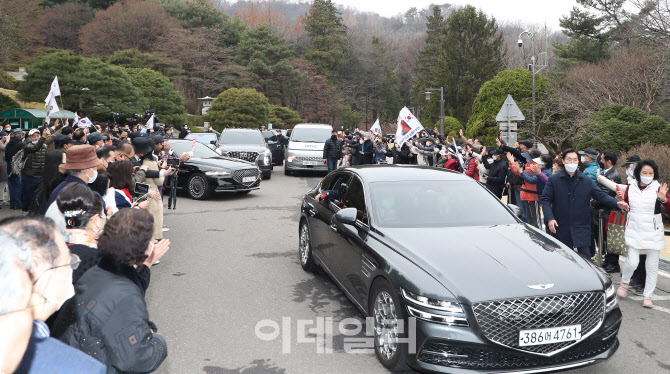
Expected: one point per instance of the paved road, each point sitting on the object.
(233, 263)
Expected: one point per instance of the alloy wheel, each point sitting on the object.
(386, 325)
(304, 244)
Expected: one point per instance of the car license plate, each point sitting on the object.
(550, 335)
(248, 179)
(312, 163)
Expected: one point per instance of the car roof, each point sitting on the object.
(397, 173)
(311, 125)
(240, 129)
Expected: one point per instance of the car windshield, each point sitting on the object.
(242, 137)
(311, 134)
(202, 137)
(199, 151)
(413, 204)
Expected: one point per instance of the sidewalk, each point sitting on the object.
(665, 254)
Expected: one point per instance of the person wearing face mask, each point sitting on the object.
(495, 179)
(51, 270)
(566, 204)
(81, 164)
(109, 303)
(644, 225)
(629, 165)
(471, 162)
(332, 151)
(588, 158)
(34, 154)
(4, 197)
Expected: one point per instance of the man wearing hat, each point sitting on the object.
(588, 158)
(96, 139)
(629, 165)
(34, 154)
(81, 163)
(495, 179)
(14, 180)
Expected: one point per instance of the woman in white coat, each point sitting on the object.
(644, 226)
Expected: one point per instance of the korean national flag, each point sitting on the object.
(408, 126)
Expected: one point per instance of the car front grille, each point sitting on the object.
(437, 353)
(501, 320)
(246, 156)
(239, 175)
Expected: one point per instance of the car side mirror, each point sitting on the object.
(213, 142)
(347, 216)
(516, 210)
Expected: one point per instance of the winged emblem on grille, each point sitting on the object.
(541, 286)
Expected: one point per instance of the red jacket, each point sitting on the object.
(472, 171)
(451, 164)
(527, 196)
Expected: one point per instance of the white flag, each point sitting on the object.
(149, 125)
(76, 117)
(376, 128)
(55, 88)
(408, 126)
(51, 106)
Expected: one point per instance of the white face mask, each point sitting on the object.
(491, 160)
(94, 177)
(571, 168)
(52, 287)
(583, 159)
(646, 180)
(630, 171)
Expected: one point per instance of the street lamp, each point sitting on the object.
(532, 64)
(428, 93)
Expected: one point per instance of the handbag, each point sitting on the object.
(616, 227)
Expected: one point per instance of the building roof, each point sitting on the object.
(206, 98)
(35, 113)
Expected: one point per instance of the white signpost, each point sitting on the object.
(508, 113)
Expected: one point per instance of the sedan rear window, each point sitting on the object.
(414, 204)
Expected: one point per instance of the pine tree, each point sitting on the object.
(471, 53)
(385, 95)
(427, 63)
(327, 33)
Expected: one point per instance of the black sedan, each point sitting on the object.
(206, 172)
(454, 281)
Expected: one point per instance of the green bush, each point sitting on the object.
(8, 82)
(7, 103)
(282, 117)
(239, 107)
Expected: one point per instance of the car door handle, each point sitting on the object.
(312, 212)
(333, 227)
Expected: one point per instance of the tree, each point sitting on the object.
(89, 86)
(239, 107)
(492, 95)
(159, 94)
(426, 63)
(620, 128)
(268, 59)
(282, 117)
(7, 103)
(203, 14)
(385, 93)
(61, 25)
(131, 24)
(18, 34)
(471, 53)
(327, 34)
(132, 58)
(316, 98)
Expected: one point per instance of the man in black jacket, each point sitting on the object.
(401, 154)
(366, 153)
(332, 151)
(14, 181)
(34, 154)
(495, 179)
(609, 160)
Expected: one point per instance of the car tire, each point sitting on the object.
(385, 306)
(267, 175)
(198, 187)
(305, 249)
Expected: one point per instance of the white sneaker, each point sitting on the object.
(165, 229)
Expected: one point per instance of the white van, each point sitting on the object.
(305, 148)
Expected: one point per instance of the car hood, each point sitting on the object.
(495, 262)
(260, 148)
(306, 146)
(220, 163)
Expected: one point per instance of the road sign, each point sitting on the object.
(509, 111)
(511, 126)
(510, 138)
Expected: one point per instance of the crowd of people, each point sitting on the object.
(576, 204)
(76, 259)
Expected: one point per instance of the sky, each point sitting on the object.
(527, 11)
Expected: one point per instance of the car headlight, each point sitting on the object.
(290, 158)
(217, 173)
(267, 157)
(446, 306)
(219, 152)
(611, 299)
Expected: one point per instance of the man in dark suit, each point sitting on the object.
(609, 160)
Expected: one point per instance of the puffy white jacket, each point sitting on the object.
(644, 229)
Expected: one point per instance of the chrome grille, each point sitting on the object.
(316, 159)
(239, 175)
(501, 320)
(246, 156)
